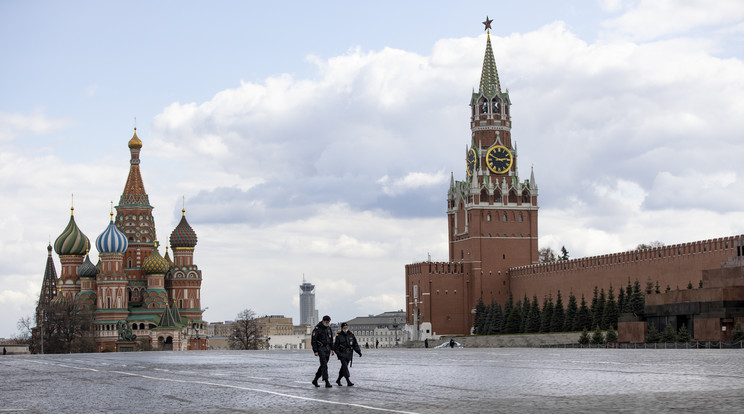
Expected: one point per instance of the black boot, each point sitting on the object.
(348, 382)
(315, 381)
(338, 381)
(328, 384)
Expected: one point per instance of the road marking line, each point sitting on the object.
(266, 391)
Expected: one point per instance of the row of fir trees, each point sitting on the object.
(527, 316)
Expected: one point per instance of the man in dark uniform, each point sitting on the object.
(345, 345)
(322, 341)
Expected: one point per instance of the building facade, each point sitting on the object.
(492, 221)
(385, 330)
(133, 291)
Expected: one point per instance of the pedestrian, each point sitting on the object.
(5, 352)
(377, 343)
(345, 345)
(322, 341)
(426, 342)
(452, 342)
(366, 345)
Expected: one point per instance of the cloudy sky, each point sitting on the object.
(318, 139)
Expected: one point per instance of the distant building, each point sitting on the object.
(308, 313)
(386, 329)
(276, 332)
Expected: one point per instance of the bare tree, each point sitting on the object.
(25, 326)
(245, 334)
(650, 245)
(546, 255)
(67, 328)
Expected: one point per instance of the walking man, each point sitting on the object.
(322, 341)
(345, 345)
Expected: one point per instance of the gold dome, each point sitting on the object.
(135, 142)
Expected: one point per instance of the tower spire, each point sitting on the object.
(489, 83)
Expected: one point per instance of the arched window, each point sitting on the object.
(483, 106)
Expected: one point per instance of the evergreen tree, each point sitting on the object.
(546, 314)
(564, 253)
(584, 317)
(480, 318)
(595, 306)
(628, 299)
(621, 300)
(683, 335)
(689, 285)
(653, 336)
(572, 310)
(638, 300)
(496, 320)
(533, 324)
(525, 314)
(597, 337)
(559, 315)
(649, 286)
(610, 314)
(584, 338)
(600, 309)
(514, 320)
(669, 334)
(611, 335)
(738, 333)
(658, 288)
(508, 308)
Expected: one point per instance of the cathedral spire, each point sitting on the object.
(489, 83)
(134, 190)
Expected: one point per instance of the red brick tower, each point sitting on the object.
(71, 246)
(491, 218)
(183, 280)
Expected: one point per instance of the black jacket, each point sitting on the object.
(322, 339)
(345, 344)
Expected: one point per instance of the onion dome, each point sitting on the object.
(111, 240)
(72, 241)
(135, 142)
(155, 264)
(183, 235)
(87, 269)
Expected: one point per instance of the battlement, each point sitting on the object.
(435, 268)
(632, 256)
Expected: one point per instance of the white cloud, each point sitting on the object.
(13, 125)
(652, 19)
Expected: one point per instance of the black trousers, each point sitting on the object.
(344, 371)
(323, 355)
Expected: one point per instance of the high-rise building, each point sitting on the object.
(308, 313)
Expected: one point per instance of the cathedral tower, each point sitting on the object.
(134, 219)
(71, 246)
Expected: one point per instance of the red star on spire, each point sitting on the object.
(487, 23)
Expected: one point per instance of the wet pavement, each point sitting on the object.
(393, 381)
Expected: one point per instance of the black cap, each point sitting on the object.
(344, 324)
(327, 318)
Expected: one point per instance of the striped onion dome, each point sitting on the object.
(183, 235)
(111, 240)
(155, 263)
(87, 269)
(72, 241)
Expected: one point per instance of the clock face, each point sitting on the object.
(472, 161)
(499, 159)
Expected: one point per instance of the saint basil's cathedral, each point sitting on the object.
(138, 298)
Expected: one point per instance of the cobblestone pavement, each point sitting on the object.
(392, 381)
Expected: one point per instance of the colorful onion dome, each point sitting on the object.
(111, 240)
(135, 142)
(87, 269)
(183, 235)
(155, 263)
(72, 241)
